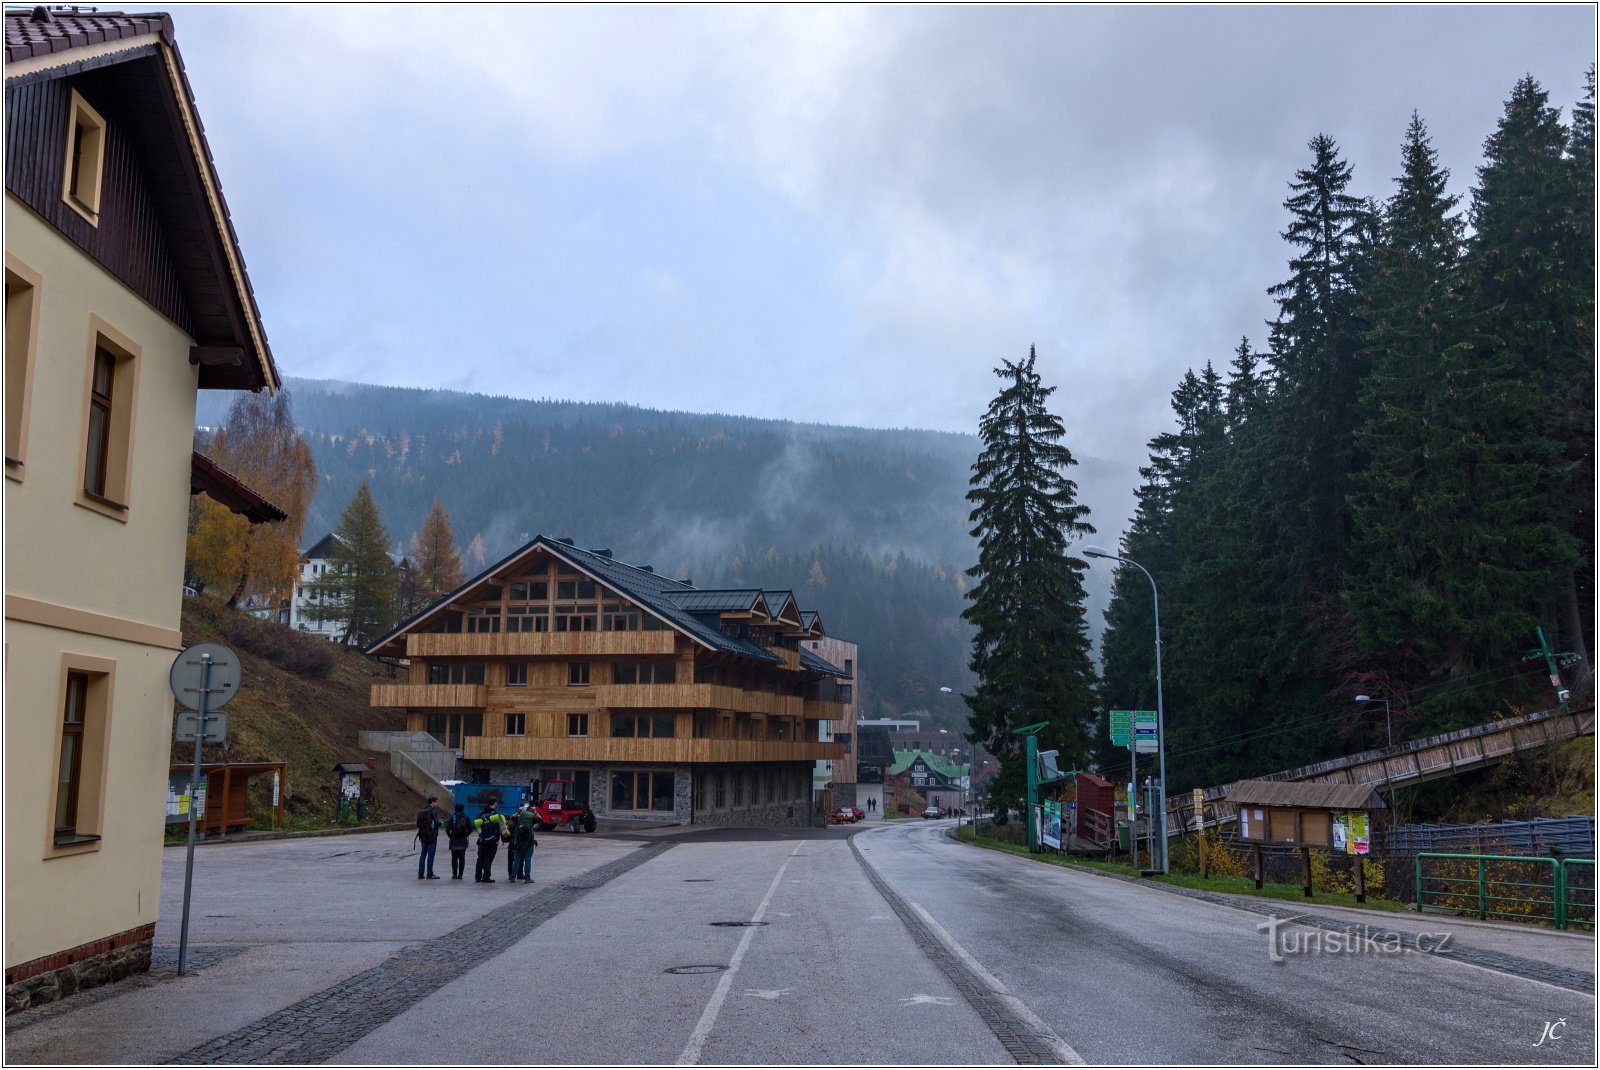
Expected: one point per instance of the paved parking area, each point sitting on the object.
(279, 922)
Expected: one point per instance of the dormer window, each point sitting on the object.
(85, 163)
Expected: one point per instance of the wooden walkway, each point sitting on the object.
(1405, 764)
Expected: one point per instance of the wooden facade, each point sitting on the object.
(562, 658)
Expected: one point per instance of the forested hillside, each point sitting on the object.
(1397, 494)
(868, 526)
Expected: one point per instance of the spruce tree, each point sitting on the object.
(1410, 498)
(1315, 341)
(358, 589)
(1031, 650)
(1528, 393)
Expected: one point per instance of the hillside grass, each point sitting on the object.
(301, 700)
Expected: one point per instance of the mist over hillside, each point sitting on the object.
(707, 496)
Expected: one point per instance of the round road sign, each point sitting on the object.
(187, 670)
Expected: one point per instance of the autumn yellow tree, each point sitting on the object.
(438, 565)
(260, 445)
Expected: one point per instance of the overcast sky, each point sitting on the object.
(818, 213)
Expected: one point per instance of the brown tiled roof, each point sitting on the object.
(28, 34)
(208, 477)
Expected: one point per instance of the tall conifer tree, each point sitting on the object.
(1031, 647)
(438, 565)
(1410, 499)
(1529, 393)
(358, 589)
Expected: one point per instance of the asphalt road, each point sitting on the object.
(878, 945)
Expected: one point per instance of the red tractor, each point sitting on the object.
(556, 806)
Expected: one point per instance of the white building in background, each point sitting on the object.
(314, 562)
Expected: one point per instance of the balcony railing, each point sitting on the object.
(653, 751)
(430, 696)
(535, 644)
(697, 696)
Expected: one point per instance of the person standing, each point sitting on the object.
(459, 830)
(523, 842)
(428, 836)
(490, 826)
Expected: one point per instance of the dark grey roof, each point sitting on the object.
(808, 660)
(654, 593)
(776, 600)
(1311, 795)
(810, 619)
(873, 747)
(697, 601)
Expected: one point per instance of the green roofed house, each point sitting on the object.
(656, 700)
(938, 780)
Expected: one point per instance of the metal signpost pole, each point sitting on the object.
(1161, 715)
(1133, 804)
(194, 796)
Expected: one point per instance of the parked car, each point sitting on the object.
(933, 811)
(842, 815)
(861, 815)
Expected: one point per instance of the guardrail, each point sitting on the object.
(1507, 887)
(1578, 908)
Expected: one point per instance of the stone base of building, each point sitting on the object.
(99, 962)
(772, 815)
(845, 795)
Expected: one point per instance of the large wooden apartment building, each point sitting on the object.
(658, 699)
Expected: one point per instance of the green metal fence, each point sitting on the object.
(1507, 887)
(1577, 896)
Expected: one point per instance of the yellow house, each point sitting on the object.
(125, 293)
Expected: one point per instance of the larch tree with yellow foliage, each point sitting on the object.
(260, 444)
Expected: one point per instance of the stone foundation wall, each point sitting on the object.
(44, 980)
(772, 815)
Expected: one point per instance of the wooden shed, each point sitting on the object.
(227, 792)
(1307, 814)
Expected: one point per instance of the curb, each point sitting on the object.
(1526, 969)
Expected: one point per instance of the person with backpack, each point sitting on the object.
(428, 836)
(459, 830)
(523, 842)
(491, 826)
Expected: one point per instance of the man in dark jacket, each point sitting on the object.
(428, 837)
(459, 830)
(491, 826)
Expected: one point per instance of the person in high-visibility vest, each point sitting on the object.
(491, 826)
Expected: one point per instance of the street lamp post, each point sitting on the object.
(972, 765)
(1388, 720)
(1161, 717)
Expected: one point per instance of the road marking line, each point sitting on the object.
(708, 1017)
(1063, 1050)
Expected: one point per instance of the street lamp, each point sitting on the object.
(1161, 719)
(972, 765)
(1388, 720)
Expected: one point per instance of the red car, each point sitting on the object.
(861, 814)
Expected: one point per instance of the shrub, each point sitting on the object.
(291, 651)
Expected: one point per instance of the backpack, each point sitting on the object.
(460, 827)
(523, 835)
(487, 832)
(428, 825)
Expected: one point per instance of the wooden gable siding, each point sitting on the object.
(131, 240)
